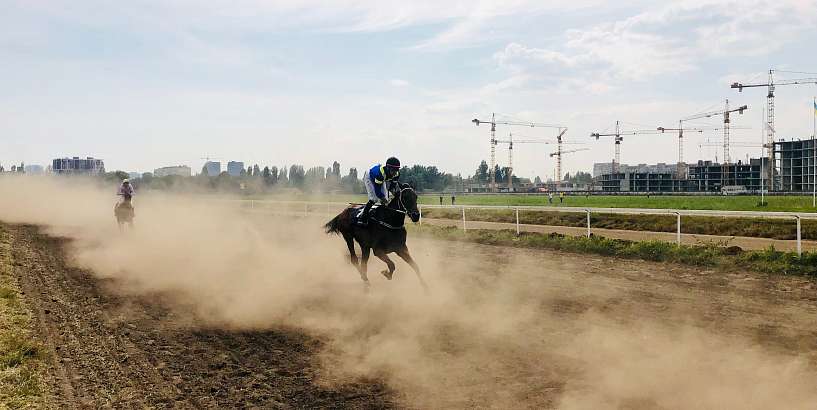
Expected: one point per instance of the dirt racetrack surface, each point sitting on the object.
(112, 350)
(580, 332)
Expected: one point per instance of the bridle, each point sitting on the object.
(402, 209)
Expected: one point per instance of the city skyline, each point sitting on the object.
(154, 84)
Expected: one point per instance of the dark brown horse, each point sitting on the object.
(383, 235)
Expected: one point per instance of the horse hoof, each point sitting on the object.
(387, 274)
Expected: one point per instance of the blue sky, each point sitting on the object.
(145, 84)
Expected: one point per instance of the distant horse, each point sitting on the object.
(384, 234)
(124, 213)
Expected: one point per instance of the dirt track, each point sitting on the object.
(110, 350)
(577, 332)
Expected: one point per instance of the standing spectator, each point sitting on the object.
(550, 198)
(441, 200)
(453, 199)
(561, 197)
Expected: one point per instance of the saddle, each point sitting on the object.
(380, 215)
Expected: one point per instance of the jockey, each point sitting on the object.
(378, 182)
(126, 190)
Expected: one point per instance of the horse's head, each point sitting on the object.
(408, 201)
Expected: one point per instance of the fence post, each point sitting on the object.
(463, 220)
(252, 204)
(517, 221)
(588, 222)
(420, 209)
(799, 245)
(678, 235)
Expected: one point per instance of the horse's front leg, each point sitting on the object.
(404, 253)
(385, 258)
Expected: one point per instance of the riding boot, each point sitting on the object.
(364, 217)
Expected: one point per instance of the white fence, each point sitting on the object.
(306, 207)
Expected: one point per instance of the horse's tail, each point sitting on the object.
(333, 226)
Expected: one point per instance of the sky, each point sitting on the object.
(144, 84)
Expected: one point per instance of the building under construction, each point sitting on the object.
(795, 166)
(704, 176)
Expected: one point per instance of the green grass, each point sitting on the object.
(701, 225)
(720, 203)
(712, 255)
(21, 355)
(714, 202)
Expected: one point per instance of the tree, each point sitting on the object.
(249, 171)
(482, 172)
(537, 180)
(336, 169)
(243, 172)
(256, 171)
(273, 174)
(351, 183)
(283, 178)
(498, 175)
(297, 176)
(266, 175)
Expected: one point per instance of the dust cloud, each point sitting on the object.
(499, 330)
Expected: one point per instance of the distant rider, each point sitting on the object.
(378, 181)
(126, 190)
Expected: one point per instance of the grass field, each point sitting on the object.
(726, 259)
(721, 203)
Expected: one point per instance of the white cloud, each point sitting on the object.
(399, 83)
(669, 39)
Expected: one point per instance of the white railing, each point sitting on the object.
(305, 206)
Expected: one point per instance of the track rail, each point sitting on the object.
(309, 206)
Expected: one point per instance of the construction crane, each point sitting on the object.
(494, 122)
(726, 121)
(618, 138)
(558, 154)
(680, 171)
(510, 141)
(770, 130)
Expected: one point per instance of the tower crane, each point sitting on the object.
(681, 129)
(770, 130)
(726, 121)
(494, 141)
(510, 141)
(618, 138)
(558, 154)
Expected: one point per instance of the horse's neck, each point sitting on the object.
(394, 204)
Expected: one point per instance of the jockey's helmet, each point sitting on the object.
(126, 181)
(392, 166)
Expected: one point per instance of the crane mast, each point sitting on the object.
(494, 122)
(770, 130)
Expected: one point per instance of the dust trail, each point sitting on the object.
(522, 333)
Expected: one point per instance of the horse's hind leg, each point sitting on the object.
(350, 243)
(385, 258)
(364, 262)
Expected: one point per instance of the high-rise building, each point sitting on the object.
(87, 166)
(34, 169)
(212, 168)
(180, 170)
(234, 168)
